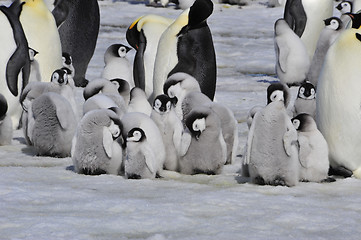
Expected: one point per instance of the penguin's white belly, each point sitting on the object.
(8, 46)
(339, 103)
(119, 68)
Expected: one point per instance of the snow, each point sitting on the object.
(42, 198)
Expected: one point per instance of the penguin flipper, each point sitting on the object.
(247, 157)
(295, 16)
(107, 142)
(150, 159)
(283, 56)
(289, 139)
(60, 13)
(139, 71)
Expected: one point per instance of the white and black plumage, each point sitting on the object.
(333, 28)
(170, 127)
(207, 151)
(345, 7)
(6, 127)
(271, 151)
(95, 149)
(69, 68)
(144, 146)
(54, 125)
(117, 64)
(313, 149)
(306, 100)
(34, 67)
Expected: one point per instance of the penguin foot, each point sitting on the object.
(87, 171)
(340, 171)
(207, 172)
(278, 181)
(134, 176)
(328, 180)
(81, 82)
(259, 180)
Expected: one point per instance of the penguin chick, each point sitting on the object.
(95, 149)
(54, 125)
(117, 64)
(69, 68)
(171, 128)
(306, 100)
(313, 149)
(207, 151)
(138, 102)
(123, 88)
(35, 75)
(6, 126)
(102, 101)
(345, 7)
(271, 152)
(292, 60)
(333, 28)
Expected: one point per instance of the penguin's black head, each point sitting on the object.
(196, 123)
(3, 107)
(356, 20)
(334, 23)
(345, 7)
(303, 122)
(32, 54)
(67, 70)
(67, 59)
(169, 88)
(133, 35)
(121, 84)
(119, 50)
(136, 135)
(277, 92)
(59, 77)
(307, 91)
(162, 104)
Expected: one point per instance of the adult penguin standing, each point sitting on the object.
(14, 58)
(187, 46)
(306, 17)
(78, 23)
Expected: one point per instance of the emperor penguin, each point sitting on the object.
(333, 28)
(145, 149)
(138, 102)
(177, 86)
(95, 147)
(176, 49)
(123, 88)
(271, 151)
(78, 22)
(306, 100)
(42, 34)
(6, 127)
(54, 126)
(338, 101)
(345, 7)
(143, 35)
(14, 58)
(69, 68)
(207, 151)
(306, 17)
(117, 64)
(171, 128)
(34, 66)
(292, 60)
(313, 149)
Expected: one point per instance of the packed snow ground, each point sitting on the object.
(42, 198)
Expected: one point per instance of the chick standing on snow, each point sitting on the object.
(271, 153)
(171, 129)
(313, 150)
(6, 126)
(95, 149)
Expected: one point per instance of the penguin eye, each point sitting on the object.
(137, 135)
(313, 91)
(64, 60)
(157, 104)
(169, 104)
(121, 51)
(55, 77)
(296, 123)
(31, 54)
(302, 90)
(277, 96)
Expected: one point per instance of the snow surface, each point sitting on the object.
(42, 198)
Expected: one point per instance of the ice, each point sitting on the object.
(42, 198)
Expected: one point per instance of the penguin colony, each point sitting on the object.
(158, 114)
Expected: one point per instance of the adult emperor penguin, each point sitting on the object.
(187, 46)
(6, 127)
(306, 17)
(313, 149)
(36, 20)
(78, 22)
(143, 35)
(271, 152)
(338, 101)
(145, 148)
(95, 149)
(171, 128)
(306, 100)
(54, 125)
(117, 64)
(14, 58)
(333, 28)
(292, 60)
(207, 151)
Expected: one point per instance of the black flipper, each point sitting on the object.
(340, 171)
(20, 59)
(60, 12)
(138, 70)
